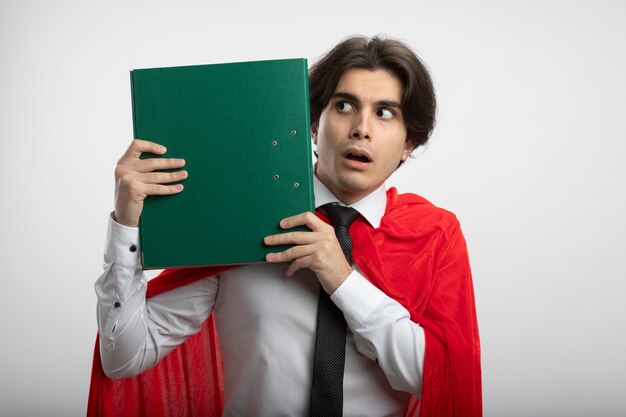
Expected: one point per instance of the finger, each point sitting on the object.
(138, 146)
(297, 265)
(156, 189)
(307, 219)
(290, 254)
(154, 164)
(162, 177)
(295, 238)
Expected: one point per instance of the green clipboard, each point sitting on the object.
(244, 132)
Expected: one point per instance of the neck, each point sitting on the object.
(345, 198)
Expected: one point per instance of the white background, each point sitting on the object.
(528, 152)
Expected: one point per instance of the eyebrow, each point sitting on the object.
(355, 99)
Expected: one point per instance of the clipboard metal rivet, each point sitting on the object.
(293, 132)
(296, 184)
(276, 177)
(274, 142)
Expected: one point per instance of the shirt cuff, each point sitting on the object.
(357, 298)
(122, 244)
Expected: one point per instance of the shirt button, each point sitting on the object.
(117, 304)
(133, 248)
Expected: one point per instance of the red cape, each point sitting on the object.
(417, 256)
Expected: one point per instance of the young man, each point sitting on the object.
(404, 289)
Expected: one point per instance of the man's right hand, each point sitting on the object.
(135, 179)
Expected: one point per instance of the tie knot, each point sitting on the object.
(341, 215)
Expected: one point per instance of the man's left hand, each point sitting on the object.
(317, 249)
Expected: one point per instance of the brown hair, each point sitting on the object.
(419, 102)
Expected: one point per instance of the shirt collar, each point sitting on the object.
(371, 207)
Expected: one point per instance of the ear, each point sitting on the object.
(314, 132)
(408, 148)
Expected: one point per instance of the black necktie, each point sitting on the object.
(330, 341)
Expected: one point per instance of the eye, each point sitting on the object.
(344, 106)
(385, 113)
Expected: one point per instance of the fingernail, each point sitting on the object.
(163, 149)
(283, 223)
(179, 187)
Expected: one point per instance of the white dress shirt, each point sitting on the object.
(266, 322)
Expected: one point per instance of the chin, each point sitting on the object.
(351, 187)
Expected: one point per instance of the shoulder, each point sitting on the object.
(414, 215)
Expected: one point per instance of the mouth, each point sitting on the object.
(358, 155)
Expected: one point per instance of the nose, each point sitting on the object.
(361, 126)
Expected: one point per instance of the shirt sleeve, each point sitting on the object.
(135, 332)
(383, 331)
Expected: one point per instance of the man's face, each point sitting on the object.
(361, 135)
